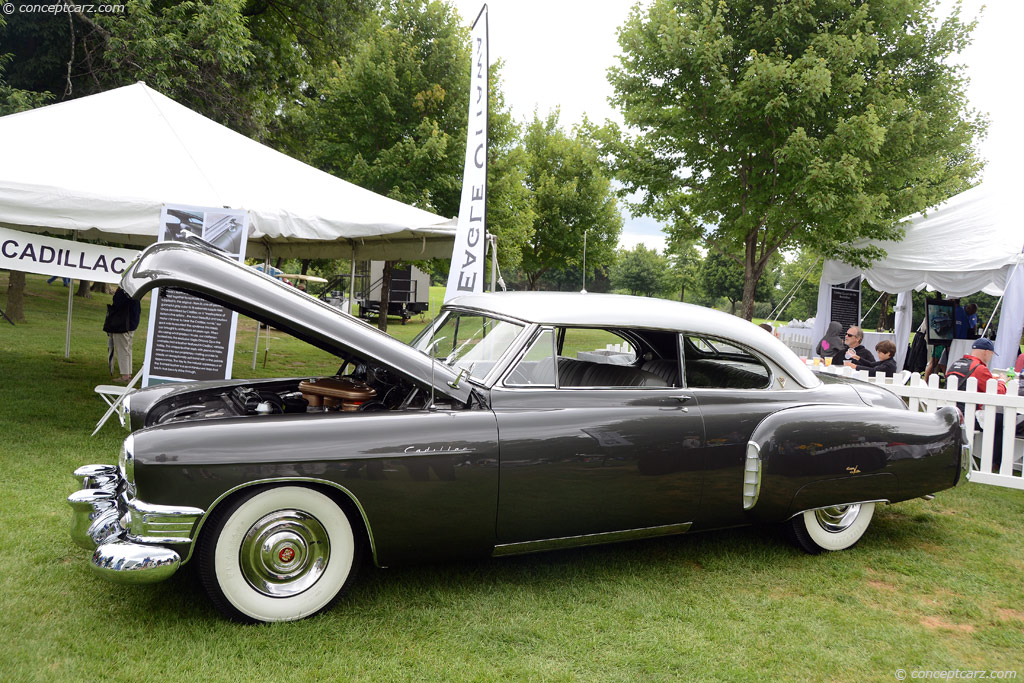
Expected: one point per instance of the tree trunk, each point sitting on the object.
(305, 265)
(16, 296)
(883, 314)
(751, 274)
(101, 287)
(385, 296)
(83, 289)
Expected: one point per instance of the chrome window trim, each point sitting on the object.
(501, 364)
(536, 331)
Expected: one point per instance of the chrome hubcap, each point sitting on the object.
(284, 553)
(837, 518)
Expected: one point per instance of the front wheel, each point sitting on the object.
(833, 528)
(278, 554)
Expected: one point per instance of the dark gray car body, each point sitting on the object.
(455, 467)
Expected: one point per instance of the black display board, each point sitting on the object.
(191, 338)
(845, 304)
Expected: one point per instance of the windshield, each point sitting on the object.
(470, 341)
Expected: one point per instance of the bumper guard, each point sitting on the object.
(125, 533)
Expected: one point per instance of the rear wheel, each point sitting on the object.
(833, 528)
(278, 554)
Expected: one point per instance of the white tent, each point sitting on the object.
(102, 166)
(970, 243)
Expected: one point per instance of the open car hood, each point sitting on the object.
(222, 280)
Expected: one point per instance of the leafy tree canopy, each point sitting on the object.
(640, 271)
(391, 116)
(571, 198)
(235, 61)
(767, 125)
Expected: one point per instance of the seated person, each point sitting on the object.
(854, 346)
(885, 364)
(832, 342)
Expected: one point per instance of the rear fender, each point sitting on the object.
(815, 456)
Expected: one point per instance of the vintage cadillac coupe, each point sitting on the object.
(507, 427)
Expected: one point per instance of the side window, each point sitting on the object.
(712, 363)
(596, 346)
(601, 359)
(537, 366)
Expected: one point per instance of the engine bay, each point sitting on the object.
(357, 387)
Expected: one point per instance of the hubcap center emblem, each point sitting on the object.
(286, 555)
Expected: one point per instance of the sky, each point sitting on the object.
(556, 54)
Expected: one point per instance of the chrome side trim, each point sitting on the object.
(825, 507)
(589, 539)
(966, 457)
(149, 523)
(752, 475)
(281, 480)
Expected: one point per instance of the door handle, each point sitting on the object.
(682, 399)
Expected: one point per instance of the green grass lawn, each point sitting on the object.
(933, 586)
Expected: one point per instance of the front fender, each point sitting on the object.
(426, 482)
(815, 456)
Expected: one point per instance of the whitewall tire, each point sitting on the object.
(278, 554)
(833, 528)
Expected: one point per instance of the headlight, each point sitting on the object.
(126, 461)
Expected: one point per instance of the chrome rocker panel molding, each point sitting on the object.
(589, 539)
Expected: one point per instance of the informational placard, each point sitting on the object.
(845, 307)
(189, 338)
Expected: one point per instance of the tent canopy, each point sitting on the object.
(967, 244)
(103, 165)
(970, 243)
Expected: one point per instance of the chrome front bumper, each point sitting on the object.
(124, 533)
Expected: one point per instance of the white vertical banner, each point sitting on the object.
(467, 271)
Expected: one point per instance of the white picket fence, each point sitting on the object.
(929, 397)
(800, 344)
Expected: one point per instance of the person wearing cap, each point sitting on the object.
(975, 364)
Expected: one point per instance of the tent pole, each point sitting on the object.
(256, 346)
(493, 239)
(352, 281)
(71, 299)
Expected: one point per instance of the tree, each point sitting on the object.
(571, 198)
(391, 116)
(801, 273)
(722, 276)
(685, 261)
(766, 126)
(238, 62)
(13, 100)
(642, 271)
